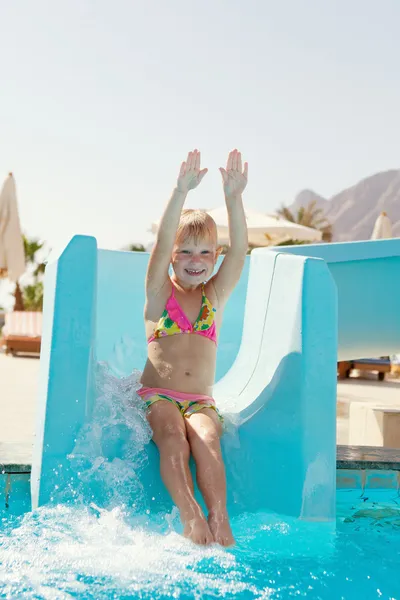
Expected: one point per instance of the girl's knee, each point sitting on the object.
(172, 440)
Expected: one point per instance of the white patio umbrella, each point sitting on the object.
(382, 228)
(12, 257)
(263, 230)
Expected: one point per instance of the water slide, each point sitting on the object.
(295, 311)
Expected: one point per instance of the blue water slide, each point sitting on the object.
(276, 365)
(367, 278)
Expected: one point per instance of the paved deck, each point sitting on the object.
(363, 389)
(19, 378)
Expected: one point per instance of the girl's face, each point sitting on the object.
(193, 261)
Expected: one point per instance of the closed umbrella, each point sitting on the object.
(12, 257)
(382, 228)
(262, 229)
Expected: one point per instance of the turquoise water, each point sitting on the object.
(84, 552)
(121, 551)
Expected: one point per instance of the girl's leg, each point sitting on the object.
(203, 431)
(169, 433)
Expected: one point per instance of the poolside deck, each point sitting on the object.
(19, 377)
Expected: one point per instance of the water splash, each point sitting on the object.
(66, 552)
(109, 452)
(69, 552)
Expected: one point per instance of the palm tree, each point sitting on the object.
(31, 248)
(309, 216)
(135, 248)
(31, 296)
(19, 301)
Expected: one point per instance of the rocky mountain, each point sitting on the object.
(353, 211)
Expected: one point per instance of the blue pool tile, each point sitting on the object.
(350, 479)
(15, 497)
(382, 480)
(3, 479)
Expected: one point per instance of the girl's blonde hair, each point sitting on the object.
(196, 224)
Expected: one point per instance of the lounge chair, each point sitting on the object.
(22, 332)
(381, 365)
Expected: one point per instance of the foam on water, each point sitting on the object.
(84, 552)
(80, 551)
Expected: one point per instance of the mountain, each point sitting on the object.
(353, 211)
(307, 196)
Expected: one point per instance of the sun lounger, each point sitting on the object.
(381, 365)
(22, 332)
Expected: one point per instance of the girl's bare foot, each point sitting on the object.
(198, 531)
(220, 528)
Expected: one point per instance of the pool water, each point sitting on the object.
(119, 551)
(85, 552)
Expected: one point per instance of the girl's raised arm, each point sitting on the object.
(189, 178)
(234, 182)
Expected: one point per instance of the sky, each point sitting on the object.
(100, 103)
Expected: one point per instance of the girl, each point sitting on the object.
(183, 314)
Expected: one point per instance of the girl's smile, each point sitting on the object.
(193, 261)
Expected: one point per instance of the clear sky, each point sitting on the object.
(101, 100)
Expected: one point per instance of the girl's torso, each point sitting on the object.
(182, 362)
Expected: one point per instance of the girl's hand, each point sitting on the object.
(235, 180)
(190, 174)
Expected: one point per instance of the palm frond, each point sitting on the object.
(136, 248)
(309, 216)
(286, 213)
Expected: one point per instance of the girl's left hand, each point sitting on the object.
(234, 179)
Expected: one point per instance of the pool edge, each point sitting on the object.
(348, 458)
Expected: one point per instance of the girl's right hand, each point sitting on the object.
(190, 174)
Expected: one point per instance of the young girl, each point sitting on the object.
(183, 315)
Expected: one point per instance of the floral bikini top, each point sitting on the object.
(174, 321)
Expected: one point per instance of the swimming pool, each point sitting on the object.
(84, 552)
